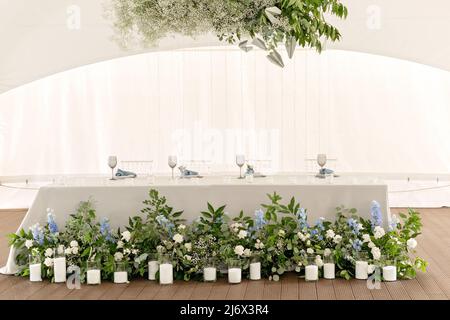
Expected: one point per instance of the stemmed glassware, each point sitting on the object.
(321, 159)
(112, 163)
(240, 161)
(172, 161)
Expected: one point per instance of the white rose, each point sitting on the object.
(126, 251)
(337, 239)
(371, 244)
(119, 244)
(75, 250)
(29, 244)
(73, 243)
(239, 250)
(135, 251)
(48, 252)
(330, 234)
(178, 238)
(326, 252)
(48, 262)
(411, 243)
(242, 234)
(360, 226)
(319, 261)
(247, 252)
(281, 233)
(308, 243)
(378, 232)
(118, 256)
(371, 268)
(376, 252)
(366, 238)
(188, 246)
(126, 235)
(309, 251)
(60, 249)
(181, 227)
(68, 251)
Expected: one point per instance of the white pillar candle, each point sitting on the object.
(93, 276)
(361, 270)
(153, 267)
(120, 277)
(59, 269)
(328, 271)
(35, 272)
(209, 274)
(390, 273)
(255, 271)
(311, 273)
(234, 275)
(165, 273)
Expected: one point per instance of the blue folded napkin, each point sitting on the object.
(250, 169)
(326, 171)
(127, 174)
(185, 172)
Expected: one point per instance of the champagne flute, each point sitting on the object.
(172, 163)
(112, 163)
(240, 161)
(321, 161)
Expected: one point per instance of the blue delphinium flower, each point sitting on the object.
(393, 223)
(259, 219)
(357, 244)
(52, 226)
(354, 225)
(302, 216)
(38, 233)
(105, 229)
(166, 224)
(375, 212)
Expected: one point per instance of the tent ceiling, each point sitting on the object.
(36, 42)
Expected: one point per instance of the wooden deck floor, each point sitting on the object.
(434, 245)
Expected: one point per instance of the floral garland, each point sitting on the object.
(267, 22)
(278, 233)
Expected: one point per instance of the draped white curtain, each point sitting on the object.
(371, 113)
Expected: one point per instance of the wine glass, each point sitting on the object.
(112, 163)
(172, 163)
(240, 161)
(321, 159)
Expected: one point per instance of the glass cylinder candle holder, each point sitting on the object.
(311, 269)
(389, 269)
(255, 267)
(361, 265)
(120, 272)
(165, 269)
(234, 271)
(153, 266)
(35, 267)
(59, 266)
(210, 271)
(249, 177)
(329, 271)
(93, 273)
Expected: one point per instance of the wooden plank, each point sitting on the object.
(380, 294)
(237, 291)
(360, 290)
(184, 290)
(415, 290)
(255, 290)
(201, 291)
(133, 290)
(272, 290)
(397, 291)
(113, 291)
(220, 289)
(150, 291)
(289, 287)
(307, 290)
(325, 290)
(343, 289)
(167, 291)
(22, 290)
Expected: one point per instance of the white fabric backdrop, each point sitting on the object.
(372, 113)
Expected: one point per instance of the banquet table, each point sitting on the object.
(120, 199)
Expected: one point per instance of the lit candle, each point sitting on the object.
(234, 275)
(59, 269)
(93, 276)
(255, 271)
(35, 272)
(209, 274)
(311, 273)
(361, 270)
(120, 277)
(390, 273)
(165, 273)
(328, 271)
(153, 267)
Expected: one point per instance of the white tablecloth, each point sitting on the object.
(119, 200)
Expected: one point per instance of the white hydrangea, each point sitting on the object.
(376, 252)
(366, 238)
(48, 262)
(242, 234)
(48, 252)
(126, 235)
(239, 250)
(337, 239)
(330, 234)
(119, 244)
(28, 244)
(178, 238)
(371, 244)
(310, 251)
(326, 252)
(378, 232)
(68, 251)
(411, 243)
(118, 256)
(73, 243)
(236, 227)
(247, 252)
(188, 246)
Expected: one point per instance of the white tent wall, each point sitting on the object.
(372, 113)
